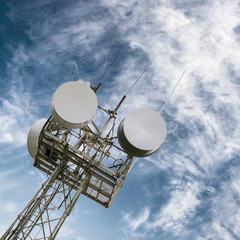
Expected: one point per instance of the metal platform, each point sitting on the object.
(84, 161)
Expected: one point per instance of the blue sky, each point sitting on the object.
(190, 188)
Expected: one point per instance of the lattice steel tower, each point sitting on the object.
(81, 158)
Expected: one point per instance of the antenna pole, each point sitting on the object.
(121, 101)
(112, 115)
(105, 77)
(119, 104)
(166, 102)
(137, 79)
(98, 86)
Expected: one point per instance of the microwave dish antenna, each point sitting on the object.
(142, 132)
(73, 104)
(33, 137)
(80, 157)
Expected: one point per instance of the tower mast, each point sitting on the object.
(75, 165)
(79, 157)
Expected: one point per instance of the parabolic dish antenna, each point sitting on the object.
(142, 132)
(73, 104)
(33, 137)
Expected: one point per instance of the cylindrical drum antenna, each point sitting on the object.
(142, 132)
(74, 104)
(33, 137)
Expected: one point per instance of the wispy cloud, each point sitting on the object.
(18, 109)
(135, 225)
(225, 208)
(172, 217)
(178, 211)
(202, 116)
(13, 117)
(80, 238)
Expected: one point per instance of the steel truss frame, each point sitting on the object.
(83, 162)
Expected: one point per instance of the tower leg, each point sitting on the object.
(44, 215)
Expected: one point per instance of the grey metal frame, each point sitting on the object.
(83, 161)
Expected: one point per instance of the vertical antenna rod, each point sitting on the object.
(105, 77)
(137, 80)
(121, 101)
(166, 102)
(124, 96)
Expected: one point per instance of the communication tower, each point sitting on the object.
(79, 157)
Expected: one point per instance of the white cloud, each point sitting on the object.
(178, 211)
(225, 209)
(15, 117)
(7, 177)
(135, 225)
(216, 231)
(205, 104)
(18, 109)
(8, 207)
(207, 98)
(171, 218)
(80, 238)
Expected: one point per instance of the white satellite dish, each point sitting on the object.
(33, 137)
(73, 104)
(142, 132)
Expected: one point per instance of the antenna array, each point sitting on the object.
(79, 157)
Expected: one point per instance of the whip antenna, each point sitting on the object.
(106, 75)
(166, 102)
(137, 80)
(122, 100)
(124, 96)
